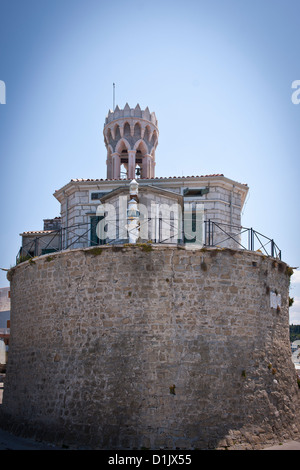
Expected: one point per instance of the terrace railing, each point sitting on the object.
(220, 234)
(215, 234)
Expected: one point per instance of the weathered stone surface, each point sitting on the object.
(129, 348)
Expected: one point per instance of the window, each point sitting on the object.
(95, 196)
(94, 239)
(195, 191)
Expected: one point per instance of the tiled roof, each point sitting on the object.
(156, 178)
(41, 232)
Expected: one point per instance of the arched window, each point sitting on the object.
(116, 133)
(126, 130)
(138, 171)
(137, 132)
(147, 133)
(123, 172)
(154, 138)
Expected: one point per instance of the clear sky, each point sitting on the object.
(217, 73)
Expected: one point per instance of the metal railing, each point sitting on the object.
(215, 234)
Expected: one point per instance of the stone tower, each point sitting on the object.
(131, 138)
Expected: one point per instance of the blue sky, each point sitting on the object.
(217, 73)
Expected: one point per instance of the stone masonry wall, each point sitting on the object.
(151, 346)
(222, 204)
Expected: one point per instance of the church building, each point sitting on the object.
(167, 209)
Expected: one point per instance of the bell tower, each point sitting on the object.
(131, 138)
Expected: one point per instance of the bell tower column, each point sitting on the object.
(116, 166)
(131, 164)
(152, 166)
(146, 166)
(131, 137)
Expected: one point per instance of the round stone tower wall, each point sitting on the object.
(151, 347)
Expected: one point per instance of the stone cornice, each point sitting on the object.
(216, 179)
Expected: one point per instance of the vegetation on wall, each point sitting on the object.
(294, 333)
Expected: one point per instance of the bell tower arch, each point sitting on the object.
(131, 138)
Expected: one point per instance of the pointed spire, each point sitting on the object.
(126, 110)
(117, 112)
(146, 114)
(153, 118)
(138, 111)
